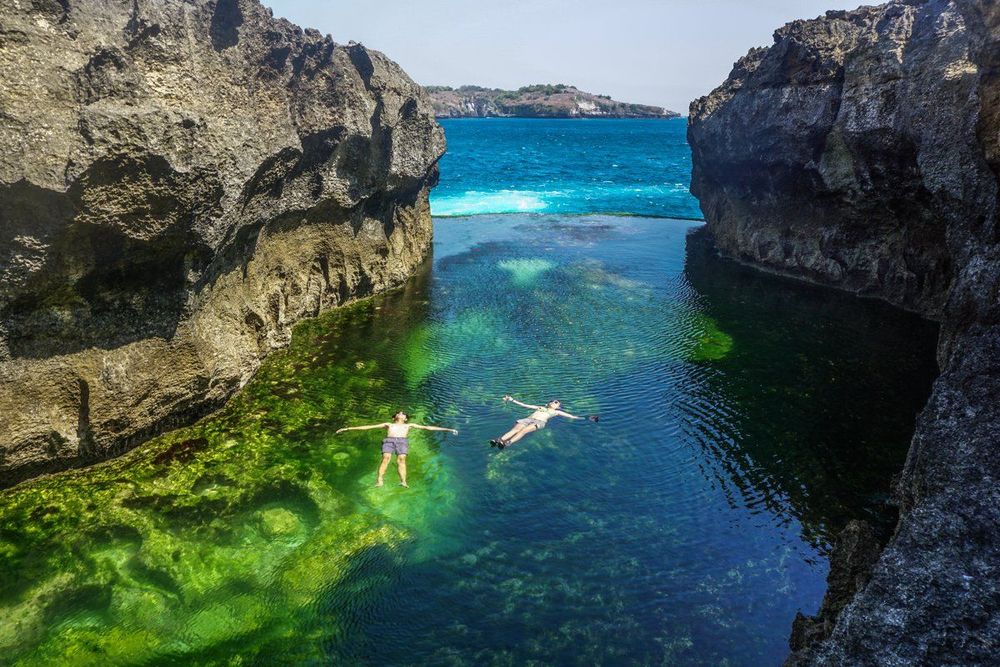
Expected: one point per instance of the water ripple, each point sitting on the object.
(687, 526)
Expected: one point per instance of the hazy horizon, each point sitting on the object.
(665, 53)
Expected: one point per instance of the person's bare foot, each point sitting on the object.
(404, 485)
(378, 482)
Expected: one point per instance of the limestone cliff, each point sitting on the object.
(537, 101)
(861, 151)
(180, 182)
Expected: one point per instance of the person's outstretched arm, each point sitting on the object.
(563, 413)
(513, 400)
(433, 428)
(361, 428)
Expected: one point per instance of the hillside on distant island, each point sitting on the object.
(537, 101)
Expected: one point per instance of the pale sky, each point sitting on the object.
(663, 52)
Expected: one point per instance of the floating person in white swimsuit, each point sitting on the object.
(534, 422)
(396, 442)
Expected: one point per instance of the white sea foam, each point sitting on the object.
(552, 200)
(475, 202)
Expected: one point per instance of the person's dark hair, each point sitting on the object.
(554, 400)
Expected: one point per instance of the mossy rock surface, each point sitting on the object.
(227, 533)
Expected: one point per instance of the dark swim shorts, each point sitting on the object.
(395, 446)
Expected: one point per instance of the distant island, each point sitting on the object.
(537, 101)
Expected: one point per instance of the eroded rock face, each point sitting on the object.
(831, 154)
(180, 182)
(862, 151)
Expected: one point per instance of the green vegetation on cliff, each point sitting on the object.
(535, 101)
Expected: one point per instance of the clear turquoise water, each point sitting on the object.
(745, 419)
(517, 165)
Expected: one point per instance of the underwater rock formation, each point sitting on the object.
(180, 182)
(862, 151)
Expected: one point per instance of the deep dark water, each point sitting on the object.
(745, 419)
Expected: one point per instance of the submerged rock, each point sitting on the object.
(854, 554)
(180, 182)
(861, 150)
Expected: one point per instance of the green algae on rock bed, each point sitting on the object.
(228, 531)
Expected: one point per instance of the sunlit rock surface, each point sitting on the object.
(861, 151)
(537, 101)
(180, 181)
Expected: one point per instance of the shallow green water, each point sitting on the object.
(744, 420)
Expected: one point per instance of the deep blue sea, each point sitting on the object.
(518, 165)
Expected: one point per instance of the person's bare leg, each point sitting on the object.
(401, 467)
(511, 433)
(520, 434)
(382, 468)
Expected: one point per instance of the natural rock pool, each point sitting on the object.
(744, 420)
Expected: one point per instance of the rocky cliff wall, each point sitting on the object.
(537, 101)
(861, 151)
(180, 182)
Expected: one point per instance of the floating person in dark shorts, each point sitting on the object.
(396, 442)
(534, 422)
